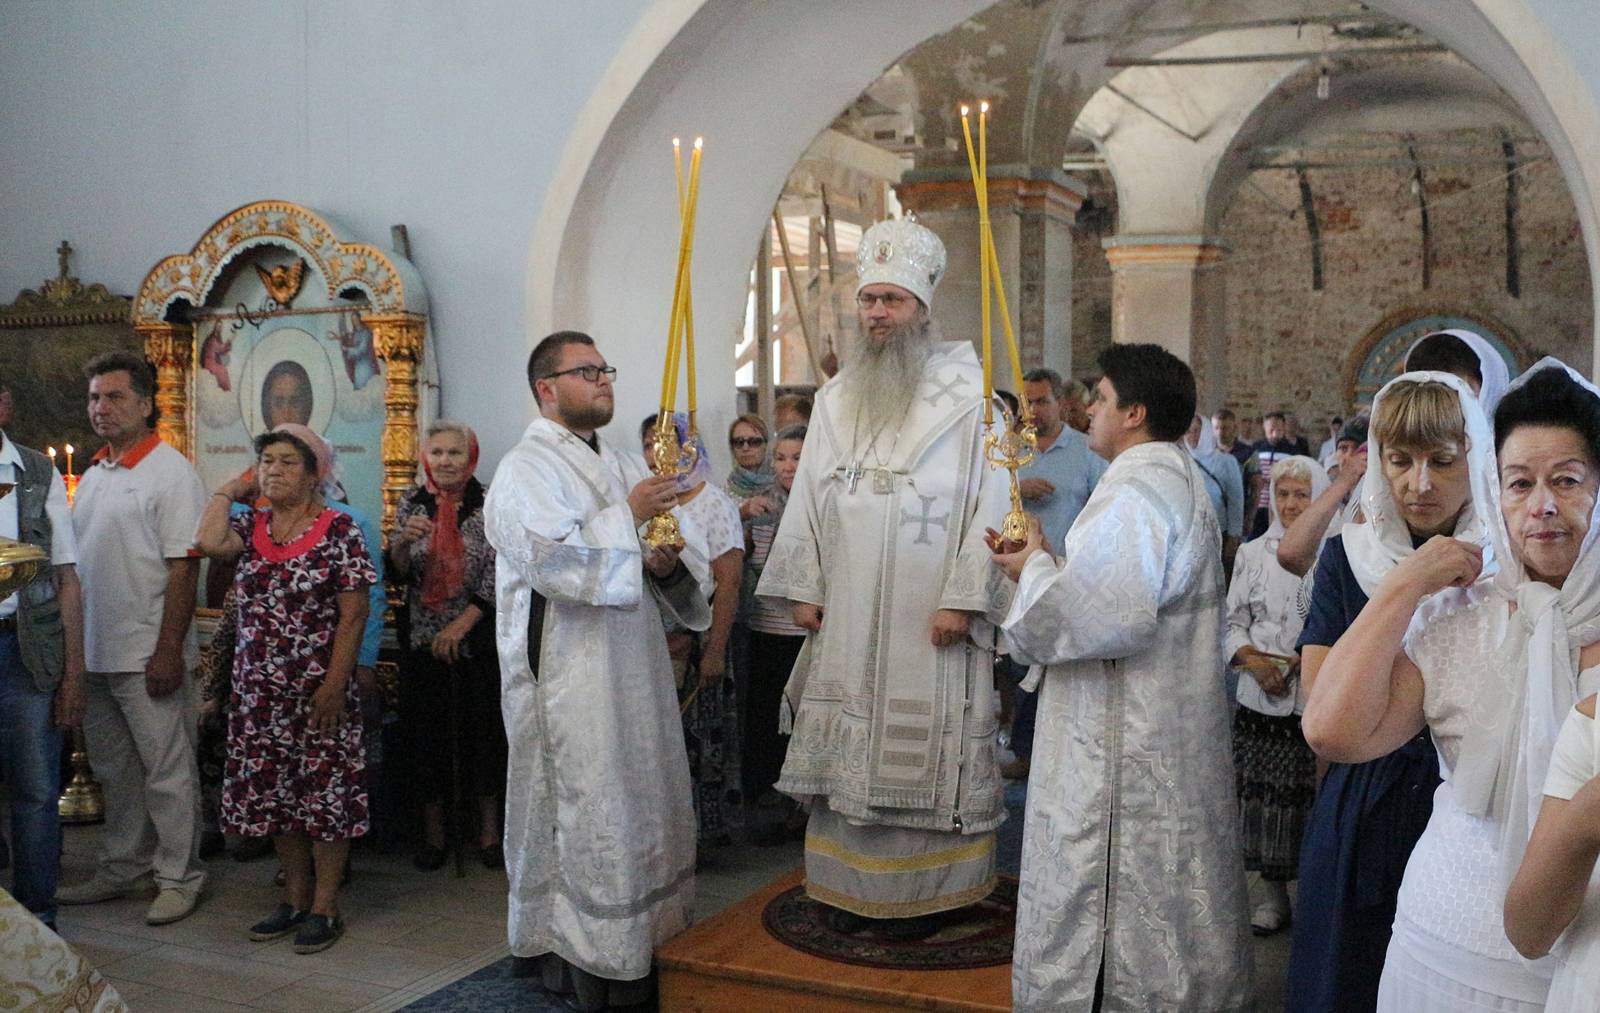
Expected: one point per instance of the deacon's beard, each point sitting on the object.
(880, 378)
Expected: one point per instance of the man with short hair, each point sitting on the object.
(1055, 485)
(1133, 895)
(1274, 445)
(1074, 399)
(1331, 444)
(1226, 423)
(790, 410)
(881, 556)
(134, 518)
(41, 671)
(600, 826)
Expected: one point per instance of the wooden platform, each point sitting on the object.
(731, 964)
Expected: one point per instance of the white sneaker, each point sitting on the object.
(1270, 917)
(96, 889)
(170, 906)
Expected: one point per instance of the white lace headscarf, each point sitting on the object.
(1382, 539)
(1490, 366)
(1502, 764)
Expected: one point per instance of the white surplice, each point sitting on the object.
(600, 832)
(1131, 846)
(889, 730)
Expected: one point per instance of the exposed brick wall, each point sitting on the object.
(1292, 347)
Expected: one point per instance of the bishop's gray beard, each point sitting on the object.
(880, 378)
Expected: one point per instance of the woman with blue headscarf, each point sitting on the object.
(713, 551)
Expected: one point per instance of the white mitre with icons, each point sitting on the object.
(901, 252)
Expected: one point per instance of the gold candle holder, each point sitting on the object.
(82, 800)
(1013, 448)
(670, 457)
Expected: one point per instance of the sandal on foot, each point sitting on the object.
(277, 924)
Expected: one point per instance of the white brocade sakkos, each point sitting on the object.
(1131, 858)
(889, 730)
(600, 831)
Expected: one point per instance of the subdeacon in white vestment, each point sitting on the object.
(894, 738)
(1130, 855)
(600, 832)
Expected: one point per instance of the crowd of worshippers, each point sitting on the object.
(1368, 672)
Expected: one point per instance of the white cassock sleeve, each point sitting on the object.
(975, 584)
(540, 529)
(1102, 598)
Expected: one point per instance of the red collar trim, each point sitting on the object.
(138, 452)
(272, 552)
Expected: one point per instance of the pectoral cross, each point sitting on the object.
(852, 475)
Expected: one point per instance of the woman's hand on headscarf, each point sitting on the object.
(755, 506)
(1441, 562)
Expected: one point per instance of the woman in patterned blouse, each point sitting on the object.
(450, 687)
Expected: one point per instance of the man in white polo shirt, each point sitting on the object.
(135, 516)
(41, 672)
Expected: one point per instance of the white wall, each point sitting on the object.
(496, 127)
(129, 127)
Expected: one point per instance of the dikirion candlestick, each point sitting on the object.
(668, 454)
(1018, 441)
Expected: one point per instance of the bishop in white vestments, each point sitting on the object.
(1133, 887)
(881, 553)
(600, 832)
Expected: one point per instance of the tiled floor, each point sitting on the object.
(408, 934)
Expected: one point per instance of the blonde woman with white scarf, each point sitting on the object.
(1490, 652)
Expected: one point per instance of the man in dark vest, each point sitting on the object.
(41, 671)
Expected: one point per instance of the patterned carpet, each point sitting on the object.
(493, 988)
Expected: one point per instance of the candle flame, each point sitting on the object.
(675, 142)
(983, 106)
(69, 448)
(52, 451)
(699, 142)
(965, 109)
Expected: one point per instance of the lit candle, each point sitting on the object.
(983, 258)
(69, 460)
(677, 333)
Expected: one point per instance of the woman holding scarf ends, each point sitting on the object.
(1489, 651)
(1276, 770)
(450, 687)
(714, 553)
(295, 762)
(1368, 816)
(751, 477)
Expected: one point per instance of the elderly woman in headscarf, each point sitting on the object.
(1429, 444)
(450, 685)
(714, 553)
(1275, 769)
(1224, 483)
(295, 759)
(1489, 651)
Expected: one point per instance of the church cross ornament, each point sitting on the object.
(926, 520)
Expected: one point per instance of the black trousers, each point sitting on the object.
(771, 660)
(426, 721)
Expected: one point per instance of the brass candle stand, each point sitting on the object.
(81, 801)
(1013, 448)
(670, 457)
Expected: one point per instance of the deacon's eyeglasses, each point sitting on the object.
(590, 373)
(744, 442)
(890, 300)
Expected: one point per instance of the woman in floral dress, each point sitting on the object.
(294, 768)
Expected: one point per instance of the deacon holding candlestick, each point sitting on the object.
(881, 557)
